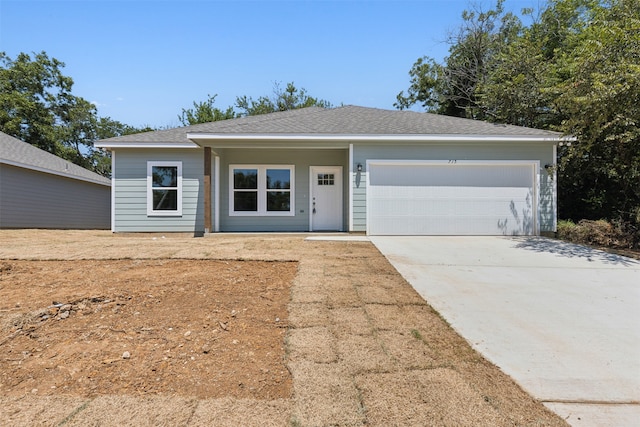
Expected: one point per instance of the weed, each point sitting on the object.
(416, 334)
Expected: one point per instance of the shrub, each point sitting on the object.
(611, 234)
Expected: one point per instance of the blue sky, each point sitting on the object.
(142, 61)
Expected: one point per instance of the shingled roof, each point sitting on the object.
(21, 154)
(347, 120)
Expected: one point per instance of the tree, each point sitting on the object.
(452, 88)
(290, 98)
(33, 93)
(205, 112)
(38, 107)
(575, 69)
(600, 173)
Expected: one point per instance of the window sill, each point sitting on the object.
(262, 214)
(163, 214)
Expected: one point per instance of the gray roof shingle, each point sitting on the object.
(18, 153)
(347, 120)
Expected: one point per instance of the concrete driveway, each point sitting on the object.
(562, 320)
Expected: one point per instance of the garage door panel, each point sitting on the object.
(450, 175)
(432, 200)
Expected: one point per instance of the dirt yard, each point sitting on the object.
(92, 328)
(252, 330)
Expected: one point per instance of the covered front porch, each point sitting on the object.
(275, 184)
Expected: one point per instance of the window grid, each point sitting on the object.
(326, 179)
(164, 188)
(268, 192)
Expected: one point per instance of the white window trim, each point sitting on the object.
(150, 210)
(262, 190)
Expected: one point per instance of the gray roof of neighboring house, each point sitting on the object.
(347, 120)
(18, 153)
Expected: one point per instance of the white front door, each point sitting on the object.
(326, 198)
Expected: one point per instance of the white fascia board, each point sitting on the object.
(112, 145)
(376, 137)
(54, 172)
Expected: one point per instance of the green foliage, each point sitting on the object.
(452, 88)
(205, 112)
(34, 95)
(427, 86)
(600, 98)
(575, 69)
(38, 107)
(290, 98)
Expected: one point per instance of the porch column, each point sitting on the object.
(207, 190)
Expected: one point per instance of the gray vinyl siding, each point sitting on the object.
(359, 181)
(130, 191)
(302, 159)
(457, 151)
(33, 199)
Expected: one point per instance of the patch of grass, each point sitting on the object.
(74, 413)
(416, 334)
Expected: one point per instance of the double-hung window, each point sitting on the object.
(261, 190)
(164, 188)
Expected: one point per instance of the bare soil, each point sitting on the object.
(252, 330)
(185, 327)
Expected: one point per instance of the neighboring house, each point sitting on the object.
(350, 169)
(40, 190)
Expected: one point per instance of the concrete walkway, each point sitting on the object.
(562, 320)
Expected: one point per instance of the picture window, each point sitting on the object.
(261, 190)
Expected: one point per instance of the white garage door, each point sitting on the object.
(442, 198)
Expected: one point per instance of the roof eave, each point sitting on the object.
(133, 144)
(55, 172)
(203, 138)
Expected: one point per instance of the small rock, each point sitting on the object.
(206, 349)
(126, 355)
(63, 314)
(186, 334)
(235, 341)
(277, 319)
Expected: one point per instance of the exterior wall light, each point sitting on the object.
(359, 167)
